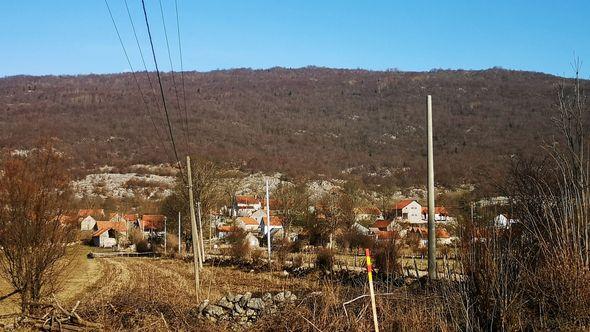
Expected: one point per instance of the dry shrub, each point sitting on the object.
(298, 261)
(386, 258)
(325, 260)
(401, 310)
(495, 283)
(561, 289)
(143, 246)
(256, 256)
(135, 235)
(240, 249)
(282, 248)
(171, 243)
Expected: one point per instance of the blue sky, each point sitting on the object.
(77, 36)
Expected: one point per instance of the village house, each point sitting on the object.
(382, 226)
(152, 223)
(248, 224)
(224, 231)
(408, 210)
(504, 221)
(244, 206)
(259, 214)
(108, 234)
(87, 224)
(384, 236)
(440, 214)
(367, 214)
(442, 235)
(276, 226)
(361, 229)
(95, 213)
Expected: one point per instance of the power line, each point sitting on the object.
(143, 59)
(171, 65)
(135, 77)
(182, 77)
(160, 84)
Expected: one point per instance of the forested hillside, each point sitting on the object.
(298, 121)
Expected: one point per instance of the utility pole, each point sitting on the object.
(179, 241)
(201, 234)
(196, 255)
(431, 226)
(268, 221)
(472, 206)
(210, 235)
(165, 243)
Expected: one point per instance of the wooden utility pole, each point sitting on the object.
(196, 255)
(179, 240)
(165, 233)
(201, 234)
(210, 235)
(268, 221)
(431, 225)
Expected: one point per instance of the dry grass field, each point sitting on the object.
(152, 293)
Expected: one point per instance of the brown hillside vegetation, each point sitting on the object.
(310, 120)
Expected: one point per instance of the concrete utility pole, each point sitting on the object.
(201, 234)
(268, 220)
(196, 255)
(431, 226)
(179, 241)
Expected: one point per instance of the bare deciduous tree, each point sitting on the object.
(292, 203)
(34, 192)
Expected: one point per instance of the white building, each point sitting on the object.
(87, 224)
(502, 221)
(244, 206)
(248, 224)
(408, 210)
(276, 226)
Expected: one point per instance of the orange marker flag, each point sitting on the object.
(371, 290)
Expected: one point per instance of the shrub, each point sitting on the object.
(282, 248)
(386, 258)
(135, 236)
(239, 247)
(143, 246)
(298, 261)
(325, 260)
(256, 256)
(171, 243)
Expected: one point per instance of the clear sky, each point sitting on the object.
(77, 36)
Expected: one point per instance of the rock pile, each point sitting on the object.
(244, 309)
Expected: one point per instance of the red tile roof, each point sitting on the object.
(402, 204)
(131, 217)
(274, 221)
(249, 200)
(83, 213)
(388, 235)
(100, 231)
(381, 224)
(247, 220)
(226, 229)
(441, 233)
(116, 225)
(153, 222)
(437, 209)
